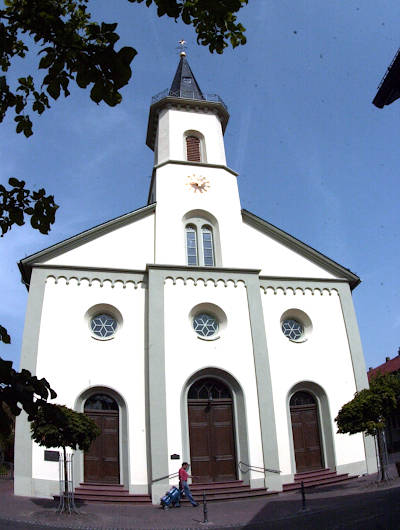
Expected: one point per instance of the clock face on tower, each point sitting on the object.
(197, 183)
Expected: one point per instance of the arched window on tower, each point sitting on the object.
(191, 245)
(202, 241)
(208, 246)
(193, 149)
(194, 146)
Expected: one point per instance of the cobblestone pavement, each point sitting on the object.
(361, 505)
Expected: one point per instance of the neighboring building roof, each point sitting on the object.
(302, 248)
(388, 367)
(184, 84)
(25, 265)
(389, 89)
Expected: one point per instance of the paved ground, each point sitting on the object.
(361, 505)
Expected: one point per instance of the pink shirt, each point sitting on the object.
(183, 476)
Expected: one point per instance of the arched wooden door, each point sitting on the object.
(101, 463)
(306, 437)
(211, 432)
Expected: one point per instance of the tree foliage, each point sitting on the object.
(74, 48)
(215, 22)
(71, 48)
(59, 426)
(368, 410)
(18, 202)
(20, 391)
(7, 421)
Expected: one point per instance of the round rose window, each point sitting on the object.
(205, 325)
(292, 329)
(103, 326)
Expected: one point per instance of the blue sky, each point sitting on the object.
(314, 156)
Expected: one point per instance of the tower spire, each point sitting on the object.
(184, 84)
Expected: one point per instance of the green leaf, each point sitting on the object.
(97, 93)
(46, 61)
(4, 337)
(126, 54)
(16, 183)
(83, 78)
(54, 89)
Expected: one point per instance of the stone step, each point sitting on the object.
(230, 496)
(131, 499)
(216, 485)
(310, 478)
(98, 492)
(99, 486)
(315, 473)
(319, 482)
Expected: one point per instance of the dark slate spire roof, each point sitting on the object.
(184, 84)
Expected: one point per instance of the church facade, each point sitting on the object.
(197, 331)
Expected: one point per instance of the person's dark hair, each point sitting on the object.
(185, 464)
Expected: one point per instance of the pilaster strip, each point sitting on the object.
(156, 387)
(29, 354)
(357, 358)
(263, 377)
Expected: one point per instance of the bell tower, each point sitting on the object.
(191, 183)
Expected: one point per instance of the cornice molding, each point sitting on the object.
(205, 275)
(198, 164)
(311, 286)
(193, 105)
(102, 276)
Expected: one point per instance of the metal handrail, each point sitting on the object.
(172, 475)
(194, 95)
(257, 468)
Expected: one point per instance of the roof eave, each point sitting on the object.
(155, 109)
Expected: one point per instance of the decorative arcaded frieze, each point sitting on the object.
(95, 281)
(204, 281)
(298, 290)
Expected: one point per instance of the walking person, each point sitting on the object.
(183, 476)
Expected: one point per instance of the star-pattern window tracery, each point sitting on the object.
(104, 326)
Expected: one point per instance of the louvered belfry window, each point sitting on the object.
(193, 149)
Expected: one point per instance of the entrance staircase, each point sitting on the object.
(320, 477)
(108, 493)
(225, 491)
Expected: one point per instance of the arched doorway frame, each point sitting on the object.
(123, 434)
(324, 423)
(239, 415)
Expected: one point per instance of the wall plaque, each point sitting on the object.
(51, 456)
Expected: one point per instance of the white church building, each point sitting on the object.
(202, 333)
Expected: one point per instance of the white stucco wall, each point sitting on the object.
(73, 361)
(127, 247)
(174, 123)
(324, 358)
(186, 354)
(175, 198)
(261, 251)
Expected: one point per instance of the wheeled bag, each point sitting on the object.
(170, 498)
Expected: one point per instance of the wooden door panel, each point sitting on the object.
(200, 443)
(306, 438)
(101, 462)
(212, 442)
